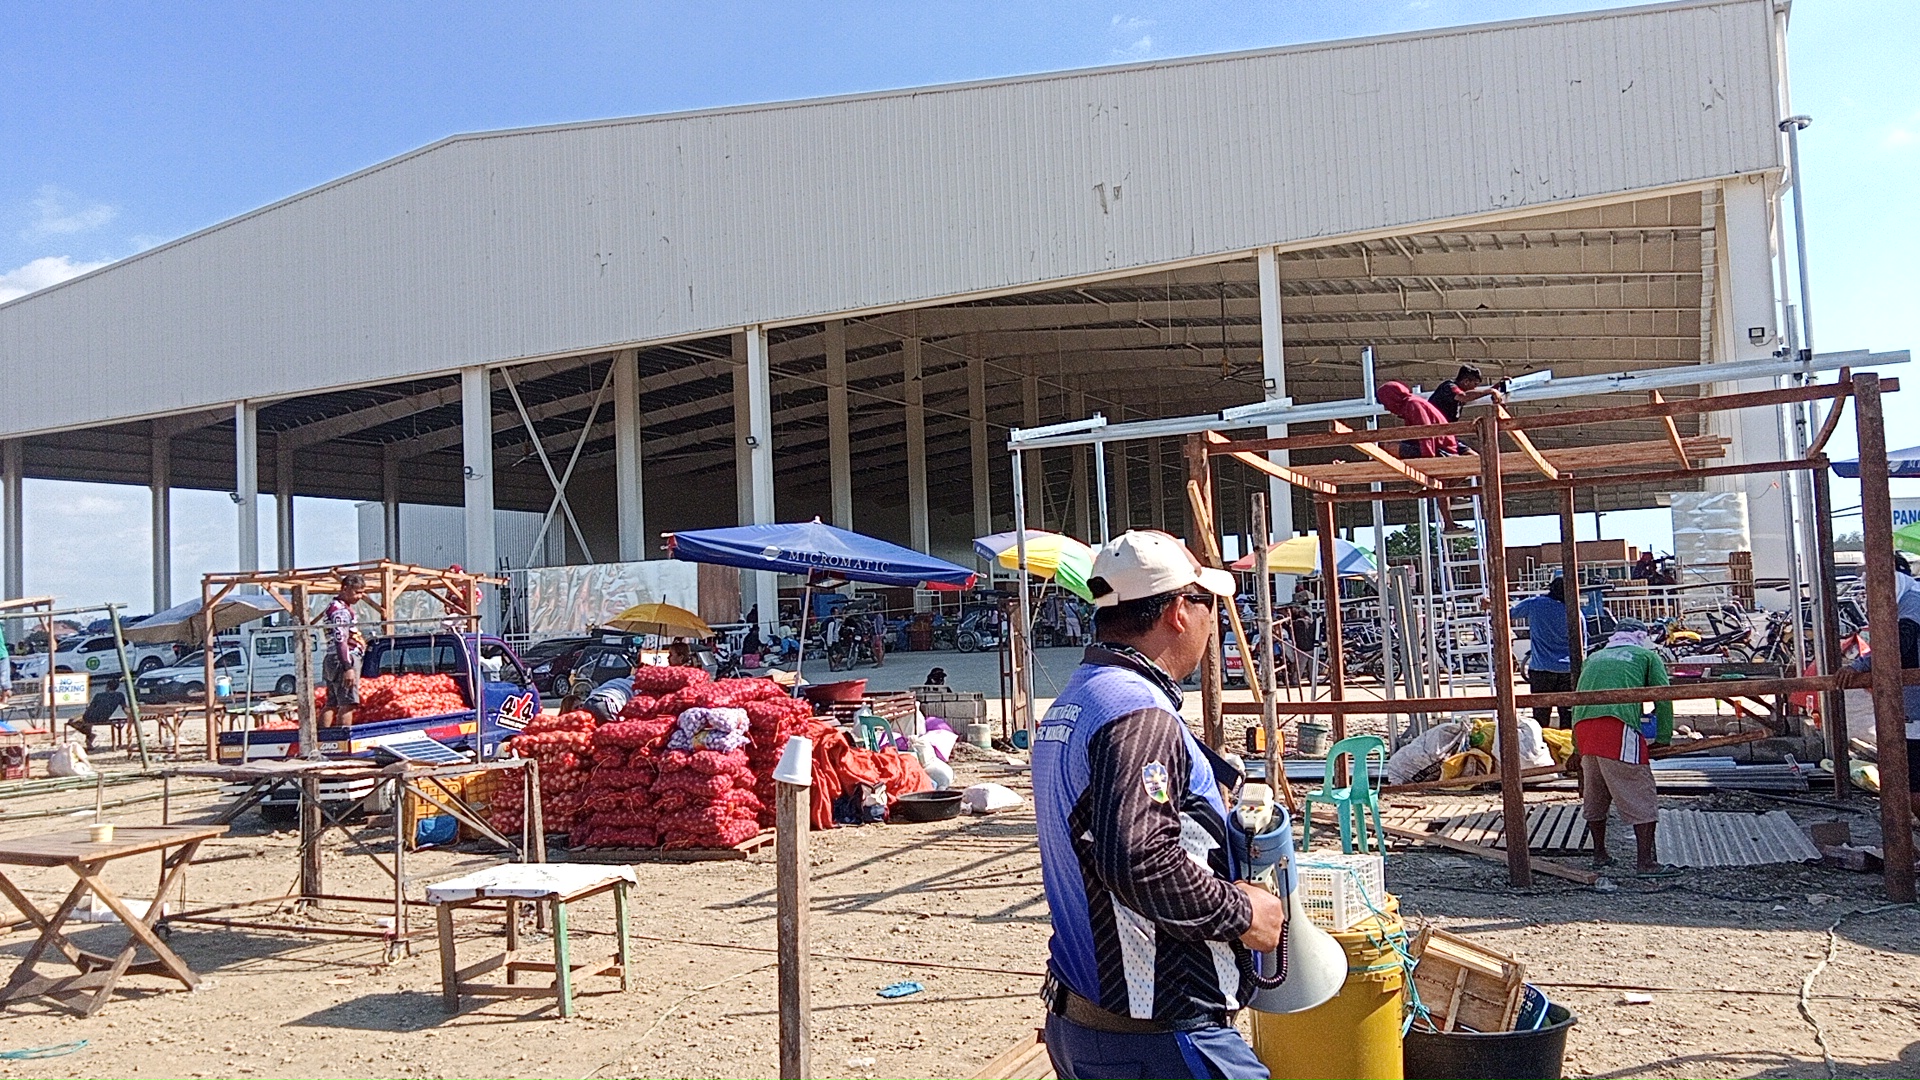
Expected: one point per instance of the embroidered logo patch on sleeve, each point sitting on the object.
(1153, 777)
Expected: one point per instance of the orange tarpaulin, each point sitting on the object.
(838, 765)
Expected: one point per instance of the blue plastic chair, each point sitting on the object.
(1360, 794)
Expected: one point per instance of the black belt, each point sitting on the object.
(1061, 999)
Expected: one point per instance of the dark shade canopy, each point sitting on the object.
(1900, 463)
(809, 546)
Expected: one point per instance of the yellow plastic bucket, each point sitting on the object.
(1355, 1036)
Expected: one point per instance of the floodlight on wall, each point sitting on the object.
(753, 442)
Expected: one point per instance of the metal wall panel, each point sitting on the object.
(504, 246)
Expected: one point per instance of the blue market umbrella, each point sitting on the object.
(810, 547)
(1900, 464)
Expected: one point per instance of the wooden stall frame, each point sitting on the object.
(1492, 486)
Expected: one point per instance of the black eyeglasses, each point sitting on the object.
(1199, 599)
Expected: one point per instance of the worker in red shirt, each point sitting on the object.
(1415, 411)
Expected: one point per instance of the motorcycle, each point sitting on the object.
(979, 631)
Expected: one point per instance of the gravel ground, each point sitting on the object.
(956, 906)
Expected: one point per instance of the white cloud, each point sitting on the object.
(1134, 27)
(1902, 135)
(61, 214)
(42, 272)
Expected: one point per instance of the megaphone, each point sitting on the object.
(1309, 967)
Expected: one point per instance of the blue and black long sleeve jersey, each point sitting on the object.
(1134, 847)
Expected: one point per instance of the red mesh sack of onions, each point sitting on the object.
(639, 707)
(654, 679)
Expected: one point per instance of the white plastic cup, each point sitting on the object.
(796, 762)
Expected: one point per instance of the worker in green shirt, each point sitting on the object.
(1612, 740)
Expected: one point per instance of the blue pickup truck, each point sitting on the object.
(500, 696)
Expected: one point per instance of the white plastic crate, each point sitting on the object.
(1339, 891)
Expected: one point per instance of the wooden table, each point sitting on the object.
(555, 884)
(98, 973)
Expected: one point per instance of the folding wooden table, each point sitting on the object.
(73, 850)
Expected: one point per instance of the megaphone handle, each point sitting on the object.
(1272, 982)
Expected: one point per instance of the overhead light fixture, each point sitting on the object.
(1066, 427)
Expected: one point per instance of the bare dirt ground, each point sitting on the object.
(956, 906)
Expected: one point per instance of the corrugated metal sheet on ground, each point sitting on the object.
(1696, 838)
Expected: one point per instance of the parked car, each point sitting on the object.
(271, 669)
(94, 654)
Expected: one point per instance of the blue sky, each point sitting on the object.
(127, 124)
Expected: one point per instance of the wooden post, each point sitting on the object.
(126, 683)
(206, 645)
(1267, 673)
(1200, 511)
(1570, 571)
(1883, 624)
(1833, 703)
(303, 675)
(1507, 716)
(311, 883)
(792, 806)
(1330, 597)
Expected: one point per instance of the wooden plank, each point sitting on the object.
(1281, 472)
(1535, 773)
(1527, 448)
(1379, 456)
(1574, 459)
(1673, 434)
(1544, 866)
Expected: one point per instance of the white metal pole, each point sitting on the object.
(12, 495)
(1100, 486)
(918, 528)
(246, 487)
(1025, 644)
(160, 503)
(476, 451)
(628, 489)
(839, 452)
(1273, 371)
(760, 449)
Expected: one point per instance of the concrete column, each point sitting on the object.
(1746, 328)
(839, 438)
(628, 491)
(13, 508)
(283, 505)
(917, 525)
(246, 488)
(476, 448)
(982, 476)
(1273, 370)
(160, 501)
(390, 506)
(757, 444)
(1036, 468)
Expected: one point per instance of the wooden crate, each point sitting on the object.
(1465, 985)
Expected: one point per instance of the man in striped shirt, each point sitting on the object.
(1612, 740)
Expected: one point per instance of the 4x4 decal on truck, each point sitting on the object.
(515, 712)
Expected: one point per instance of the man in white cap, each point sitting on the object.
(1149, 959)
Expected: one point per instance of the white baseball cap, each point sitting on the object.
(1146, 562)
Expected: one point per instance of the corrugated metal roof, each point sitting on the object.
(559, 241)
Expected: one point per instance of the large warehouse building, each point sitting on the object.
(840, 307)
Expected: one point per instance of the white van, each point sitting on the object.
(269, 670)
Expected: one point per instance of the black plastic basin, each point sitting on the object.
(1504, 1055)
